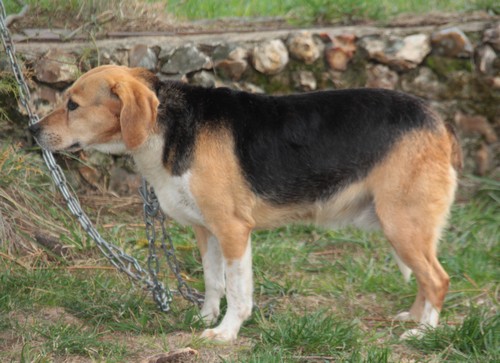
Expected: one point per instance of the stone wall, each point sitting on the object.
(456, 67)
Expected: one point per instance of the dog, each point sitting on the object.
(227, 162)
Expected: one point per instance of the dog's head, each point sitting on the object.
(110, 108)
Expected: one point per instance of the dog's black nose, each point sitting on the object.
(35, 129)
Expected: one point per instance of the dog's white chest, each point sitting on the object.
(176, 199)
(173, 192)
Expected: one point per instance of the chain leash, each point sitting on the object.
(117, 257)
(153, 216)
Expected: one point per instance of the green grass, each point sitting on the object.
(320, 11)
(295, 11)
(477, 338)
(321, 294)
(316, 333)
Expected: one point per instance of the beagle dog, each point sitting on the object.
(227, 162)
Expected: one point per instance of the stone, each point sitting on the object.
(143, 56)
(43, 99)
(186, 60)
(451, 42)
(476, 124)
(485, 58)
(173, 77)
(166, 52)
(305, 80)
(123, 182)
(249, 87)
(492, 36)
(399, 53)
(380, 76)
(448, 68)
(495, 83)
(270, 57)
(57, 68)
(424, 83)
(115, 56)
(340, 51)
(234, 65)
(203, 78)
(483, 160)
(335, 78)
(91, 175)
(305, 47)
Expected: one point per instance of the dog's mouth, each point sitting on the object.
(74, 147)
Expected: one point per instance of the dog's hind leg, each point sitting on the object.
(413, 191)
(405, 270)
(418, 251)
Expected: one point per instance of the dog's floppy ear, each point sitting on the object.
(138, 111)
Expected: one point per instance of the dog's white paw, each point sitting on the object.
(403, 316)
(219, 335)
(209, 316)
(413, 333)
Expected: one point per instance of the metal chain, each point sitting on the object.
(152, 217)
(117, 257)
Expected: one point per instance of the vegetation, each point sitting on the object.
(320, 11)
(321, 295)
(295, 11)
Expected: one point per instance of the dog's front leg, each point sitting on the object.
(239, 290)
(213, 272)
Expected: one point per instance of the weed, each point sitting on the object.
(320, 11)
(316, 333)
(324, 295)
(8, 90)
(296, 11)
(477, 338)
(70, 339)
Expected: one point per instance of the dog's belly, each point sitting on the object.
(176, 199)
(352, 206)
(359, 213)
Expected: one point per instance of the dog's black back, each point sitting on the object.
(296, 148)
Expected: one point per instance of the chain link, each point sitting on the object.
(117, 257)
(153, 216)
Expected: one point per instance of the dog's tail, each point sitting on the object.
(456, 151)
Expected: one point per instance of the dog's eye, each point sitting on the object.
(72, 105)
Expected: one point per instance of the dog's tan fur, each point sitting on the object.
(113, 99)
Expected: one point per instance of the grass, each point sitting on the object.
(321, 294)
(320, 11)
(307, 334)
(295, 11)
(477, 338)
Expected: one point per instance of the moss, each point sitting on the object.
(12, 122)
(316, 68)
(88, 58)
(355, 75)
(275, 84)
(446, 68)
(483, 99)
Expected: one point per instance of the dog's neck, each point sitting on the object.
(148, 158)
(172, 100)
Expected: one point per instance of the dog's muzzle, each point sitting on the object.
(35, 129)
